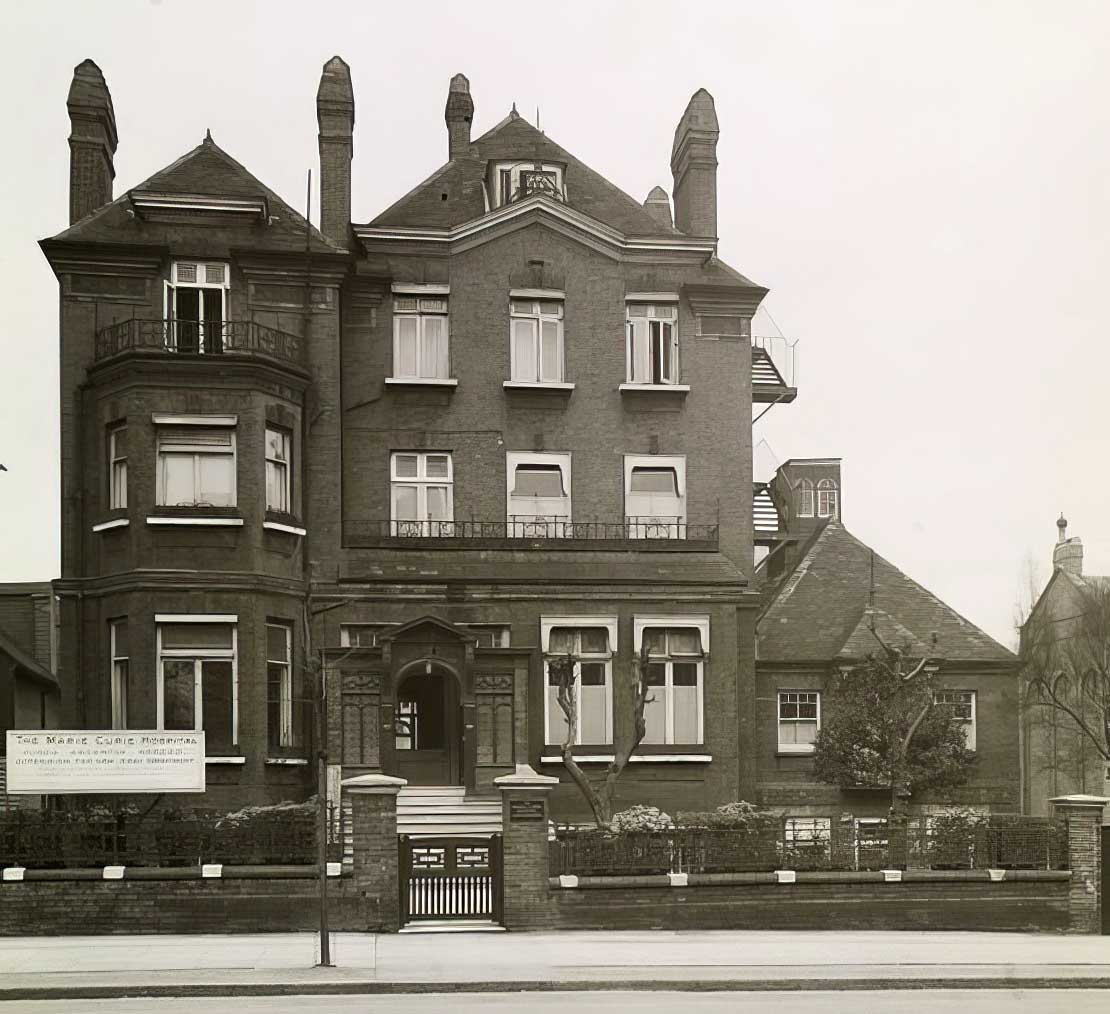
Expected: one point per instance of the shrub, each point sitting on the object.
(640, 818)
(738, 816)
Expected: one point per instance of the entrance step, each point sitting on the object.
(452, 926)
(446, 810)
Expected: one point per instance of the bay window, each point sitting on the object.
(121, 672)
(652, 352)
(590, 643)
(117, 467)
(421, 494)
(284, 703)
(420, 337)
(536, 336)
(198, 678)
(196, 466)
(278, 479)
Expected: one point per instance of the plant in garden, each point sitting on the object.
(881, 729)
(640, 818)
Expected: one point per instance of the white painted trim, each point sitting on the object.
(654, 387)
(637, 758)
(420, 382)
(277, 526)
(537, 294)
(420, 289)
(114, 523)
(786, 876)
(225, 760)
(196, 618)
(679, 879)
(590, 620)
(112, 873)
(194, 420)
(568, 880)
(699, 621)
(564, 461)
(800, 749)
(651, 297)
(997, 875)
(531, 385)
(335, 869)
(193, 520)
(291, 762)
(212, 871)
(892, 876)
(14, 873)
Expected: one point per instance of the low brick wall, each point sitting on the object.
(242, 900)
(1026, 900)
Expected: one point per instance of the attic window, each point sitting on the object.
(517, 181)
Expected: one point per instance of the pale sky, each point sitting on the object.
(923, 186)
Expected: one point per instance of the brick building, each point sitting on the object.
(503, 420)
(824, 592)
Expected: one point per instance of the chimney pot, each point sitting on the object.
(92, 141)
(658, 205)
(458, 115)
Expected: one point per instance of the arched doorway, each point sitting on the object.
(427, 728)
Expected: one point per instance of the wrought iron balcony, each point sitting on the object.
(520, 532)
(188, 338)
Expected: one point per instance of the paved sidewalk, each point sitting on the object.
(282, 963)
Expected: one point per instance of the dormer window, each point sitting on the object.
(517, 181)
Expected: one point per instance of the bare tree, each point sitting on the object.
(1066, 666)
(600, 797)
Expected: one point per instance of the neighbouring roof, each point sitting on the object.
(515, 138)
(818, 612)
(24, 661)
(206, 171)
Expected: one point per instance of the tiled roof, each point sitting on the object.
(206, 171)
(24, 661)
(819, 611)
(515, 138)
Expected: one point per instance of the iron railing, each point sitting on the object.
(190, 338)
(47, 840)
(820, 844)
(537, 532)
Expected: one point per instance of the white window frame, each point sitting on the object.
(345, 633)
(968, 697)
(121, 674)
(828, 499)
(640, 624)
(198, 451)
(425, 307)
(538, 318)
(208, 654)
(285, 690)
(668, 336)
(669, 526)
(608, 623)
(806, 498)
(499, 198)
(801, 748)
(544, 525)
(280, 465)
(202, 269)
(421, 526)
(117, 468)
(504, 631)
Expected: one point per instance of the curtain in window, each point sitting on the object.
(524, 350)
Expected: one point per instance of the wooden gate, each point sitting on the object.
(450, 878)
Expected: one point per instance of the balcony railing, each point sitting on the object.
(536, 533)
(190, 338)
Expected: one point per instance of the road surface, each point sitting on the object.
(961, 1001)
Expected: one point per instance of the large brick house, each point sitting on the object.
(504, 420)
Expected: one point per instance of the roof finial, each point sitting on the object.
(208, 136)
(515, 113)
(538, 118)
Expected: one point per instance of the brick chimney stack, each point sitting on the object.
(335, 112)
(92, 141)
(694, 166)
(658, 205)
(1067, 555)
(458, 114)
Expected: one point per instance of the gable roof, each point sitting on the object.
(461, 180)
(32, 666)
(820, 611)
(206, 171)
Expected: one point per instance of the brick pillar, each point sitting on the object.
(1084, 819)
(524, 854)
(374, 827)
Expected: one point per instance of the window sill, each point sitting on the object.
(652, 388)
(105, 526)
(419, 382)
(786, 751)
(290, 762)
(195, 519)
(527, 385)
(637, 758)
(278, 526)
(225, 760)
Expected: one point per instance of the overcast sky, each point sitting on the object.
(923, 186)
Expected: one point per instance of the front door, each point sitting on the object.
(427, 729)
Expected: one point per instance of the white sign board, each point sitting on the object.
(58, 761)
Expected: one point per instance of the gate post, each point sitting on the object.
(1084, 821)
(374, 831)
(524, 866)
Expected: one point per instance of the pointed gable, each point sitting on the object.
(514, 139)
(206, 171)
(820, 611)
